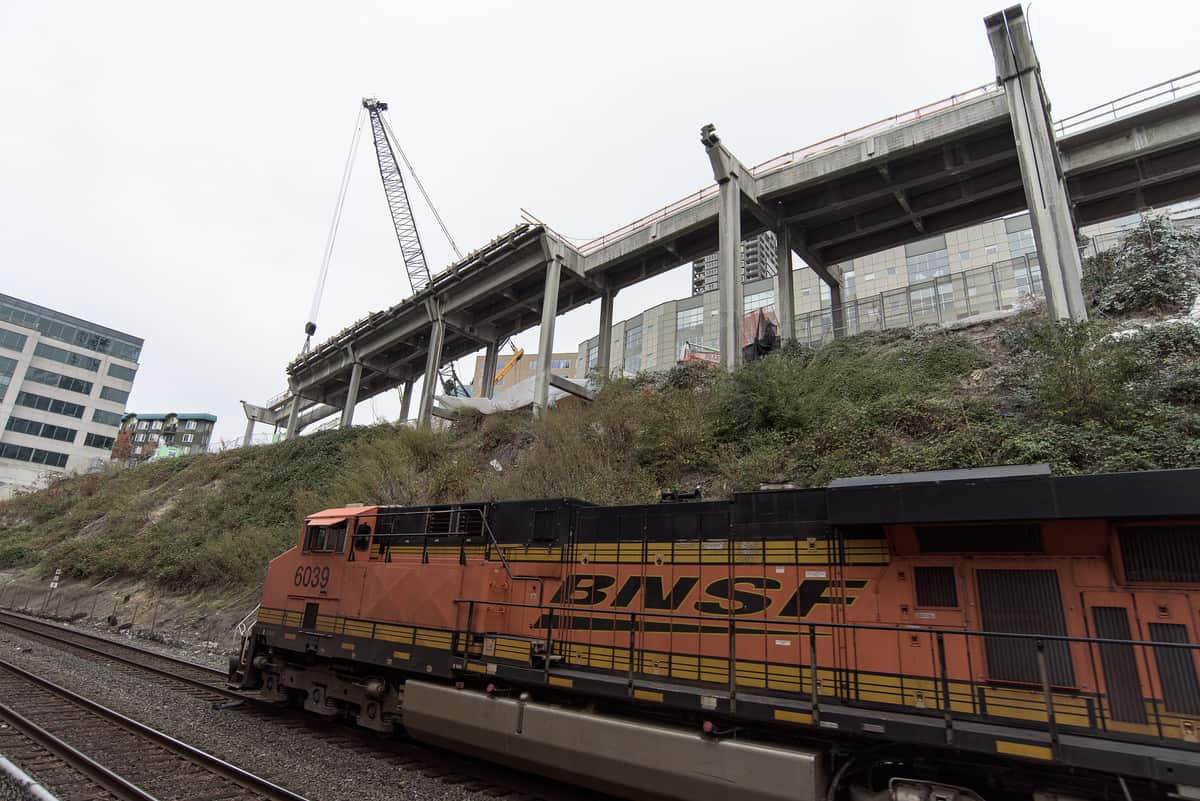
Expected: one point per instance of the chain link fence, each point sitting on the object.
(1004, 286)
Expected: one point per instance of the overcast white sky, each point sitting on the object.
(169, 169)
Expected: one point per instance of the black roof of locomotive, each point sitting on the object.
(967, 496)
(1004, 493)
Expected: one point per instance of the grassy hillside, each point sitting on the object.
(1022, 390)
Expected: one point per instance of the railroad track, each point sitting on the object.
(94, 748)
(172, 669)
(208, 684)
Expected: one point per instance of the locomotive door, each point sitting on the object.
(1120, 668)
(1165, 617)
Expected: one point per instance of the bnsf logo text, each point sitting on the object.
(741, 595)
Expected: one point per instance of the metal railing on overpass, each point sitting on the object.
(1003, 286)
(1141, 100)
(830, 143)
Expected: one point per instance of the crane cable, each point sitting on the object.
(310, 327)
(396, 144)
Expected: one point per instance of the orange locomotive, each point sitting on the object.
(996, 633)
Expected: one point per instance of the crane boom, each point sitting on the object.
(397, 199)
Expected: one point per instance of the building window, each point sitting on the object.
(7, 368)
(689, 318)
(188, 437)
(555, 364)
(140, 438)
(114, 395)
(97, 441)
(190, 425)
(52, 379)
(12, 340)
(1020, 243)
(52, 405)
(35, 429)
(990, 251)
(633, 350)
(121, 372)
(593, 356)
(106, 418)
(759, 300)
(64, 356)
(35, 455)
(927, 265)
(54, 327)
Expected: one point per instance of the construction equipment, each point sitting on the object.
(509, 365)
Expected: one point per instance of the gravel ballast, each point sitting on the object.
(279, 750)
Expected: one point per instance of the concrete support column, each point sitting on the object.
(1018, 70)
(406, 399)
(293, 423)
(835, 310)
(351, 396)
(728, 174)
(729, 283)
(437, 335)
(248, 437)
(491, 362)
(785, 289)
(541, 386)
(604, 343)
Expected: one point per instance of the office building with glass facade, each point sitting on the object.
(988, 268)
(64, 383)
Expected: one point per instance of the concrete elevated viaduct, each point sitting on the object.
(967, 159)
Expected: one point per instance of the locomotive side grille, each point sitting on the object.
(1160, 553)
(935, 586)
(1023, 602)
(1000, 538)
(1120, 665)
(1176, 669)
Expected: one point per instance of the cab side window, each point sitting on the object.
(325, 539)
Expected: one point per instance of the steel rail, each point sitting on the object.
(259, 787)
(73, 757)
(60, 634)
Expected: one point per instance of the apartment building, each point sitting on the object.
(160, 435)
(64, 383)
(759, 259)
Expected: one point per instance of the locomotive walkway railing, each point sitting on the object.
(1137, 690)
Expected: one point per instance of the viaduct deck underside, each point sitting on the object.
(943, 172)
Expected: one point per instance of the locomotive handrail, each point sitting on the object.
(948, 702)
(856, 626)
(485, 529)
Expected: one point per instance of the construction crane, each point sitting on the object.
(387, 148)
(397, 198)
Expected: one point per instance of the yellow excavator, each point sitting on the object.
(509, 365)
